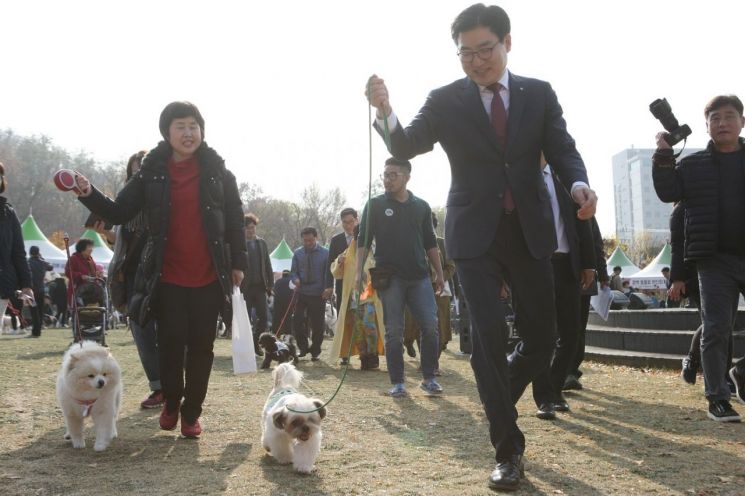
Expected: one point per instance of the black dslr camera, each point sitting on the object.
(662, 112)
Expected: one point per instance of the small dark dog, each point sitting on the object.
(281, 350)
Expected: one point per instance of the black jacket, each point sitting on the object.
(695, 181)
(265, 266)
(578, 232)
(680, 270)
(39, 268)
(597, 240)
(149, 190)
(14, 271)
(337, 246)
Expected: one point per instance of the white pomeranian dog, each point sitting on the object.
(89, 384)
(292, 436)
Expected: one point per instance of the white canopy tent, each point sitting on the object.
(650, 277)
(281, 257)
(619, 259)
(32, 236)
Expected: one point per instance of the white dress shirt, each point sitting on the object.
(562, 242)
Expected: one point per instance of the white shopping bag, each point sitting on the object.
(244, 358)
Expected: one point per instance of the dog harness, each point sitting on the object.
(274, 399)
(282, 346)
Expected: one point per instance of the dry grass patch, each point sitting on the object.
(630, 432)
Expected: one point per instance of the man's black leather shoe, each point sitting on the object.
(507, 473)
(546, 412)
(561, 404)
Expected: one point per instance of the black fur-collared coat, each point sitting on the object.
(149, 191)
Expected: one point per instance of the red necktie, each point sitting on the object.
(499, 122)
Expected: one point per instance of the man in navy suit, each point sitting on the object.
(493, 126)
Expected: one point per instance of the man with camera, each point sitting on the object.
(712, 185)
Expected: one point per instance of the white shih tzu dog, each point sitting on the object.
(289, 436)
(89, 384)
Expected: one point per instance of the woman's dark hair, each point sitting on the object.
(479, 15)
(82, 244)
(136, 158)
(722, 101)
(2, 178)
(179, 110)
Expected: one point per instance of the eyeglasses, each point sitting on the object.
(391, 176)
(483, 53)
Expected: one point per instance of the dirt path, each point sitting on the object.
(630, 432)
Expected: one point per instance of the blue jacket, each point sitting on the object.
(320, 274)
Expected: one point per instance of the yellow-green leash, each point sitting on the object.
(387, 137)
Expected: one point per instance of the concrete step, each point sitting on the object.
(675, 342)
(657, 319)
(633, 358)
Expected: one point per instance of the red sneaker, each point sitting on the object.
(168, 420)
(155, 400)
(190, 430)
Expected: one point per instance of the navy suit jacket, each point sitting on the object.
(480, 168)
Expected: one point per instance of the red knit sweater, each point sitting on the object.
(187, 261)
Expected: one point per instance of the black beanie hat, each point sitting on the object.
(179, 110)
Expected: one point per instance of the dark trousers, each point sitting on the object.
(338, 288)
(501, 381)
(255, 296)
(721, 281)
(282, 316)
(579, 351)
(61, 305)
(37, 313)
(310, 310)
(547, 385)
(186, 323)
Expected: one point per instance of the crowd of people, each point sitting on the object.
(520, 225)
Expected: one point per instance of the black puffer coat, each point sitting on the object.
(14, 270)
(149, 190)
(695, 181)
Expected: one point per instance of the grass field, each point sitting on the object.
(630, 431)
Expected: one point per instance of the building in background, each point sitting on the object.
(638, 209)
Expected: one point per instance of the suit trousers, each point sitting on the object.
(500, 381)
(187, 319)
(338, 288)
(579, 351)
(310, 311)
(547, 385)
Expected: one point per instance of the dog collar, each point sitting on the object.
(87, 406)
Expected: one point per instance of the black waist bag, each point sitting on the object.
(381, 277)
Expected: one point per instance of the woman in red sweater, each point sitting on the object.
(81, 268)
(194, 255)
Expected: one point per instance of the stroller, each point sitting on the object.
(91, 312)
